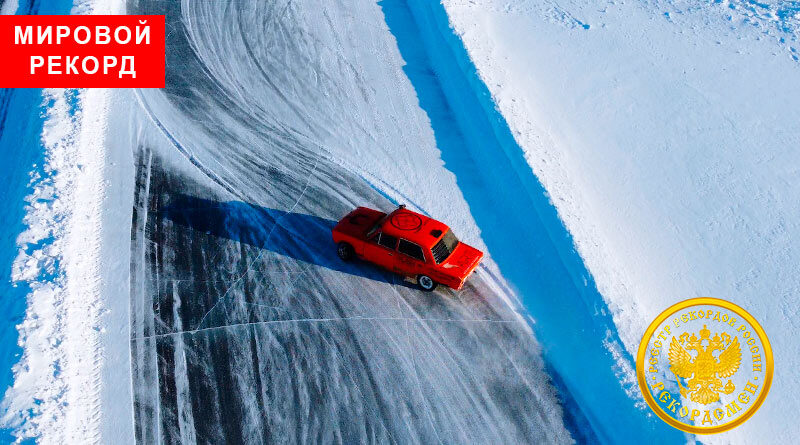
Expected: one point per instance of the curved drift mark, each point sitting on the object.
(208, 172)
(520, 226)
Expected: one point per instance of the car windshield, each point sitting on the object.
(377, 226)
(442, 250)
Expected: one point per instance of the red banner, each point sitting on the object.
(82, 51)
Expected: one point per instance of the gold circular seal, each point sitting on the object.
(704, 365)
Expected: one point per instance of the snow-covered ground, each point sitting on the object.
(59, 333)
(59, 386)
(666, 134)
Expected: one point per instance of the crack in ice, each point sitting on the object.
(269, 235)
(322, 320)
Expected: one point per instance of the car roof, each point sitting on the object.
(414, 227)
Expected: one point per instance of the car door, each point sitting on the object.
(381, 250)
(410, 258)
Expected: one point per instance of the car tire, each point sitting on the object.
(345, 251)
(426, 283)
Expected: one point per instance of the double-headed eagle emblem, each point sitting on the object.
(704, 371)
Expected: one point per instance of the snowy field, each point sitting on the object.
(612, 158)
(667, 135)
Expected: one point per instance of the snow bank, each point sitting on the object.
(666, 135)
(56, 395)
(116, 398)
(55, 387)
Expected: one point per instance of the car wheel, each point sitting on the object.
(345, 251)
(426, 283)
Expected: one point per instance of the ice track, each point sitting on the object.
(246, 328)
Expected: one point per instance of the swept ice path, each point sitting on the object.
(276, 120)
(665, 133)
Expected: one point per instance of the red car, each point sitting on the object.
(407, 243)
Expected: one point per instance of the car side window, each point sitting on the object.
(387, 240)
(411, 249)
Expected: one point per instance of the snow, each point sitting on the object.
(58, 383)
(9, 7)
(55, 386)
(116, 399)
(665, 134)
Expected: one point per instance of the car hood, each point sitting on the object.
(462, 261)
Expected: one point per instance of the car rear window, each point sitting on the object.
(411, 249)
(442, 250)
(387, 240)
